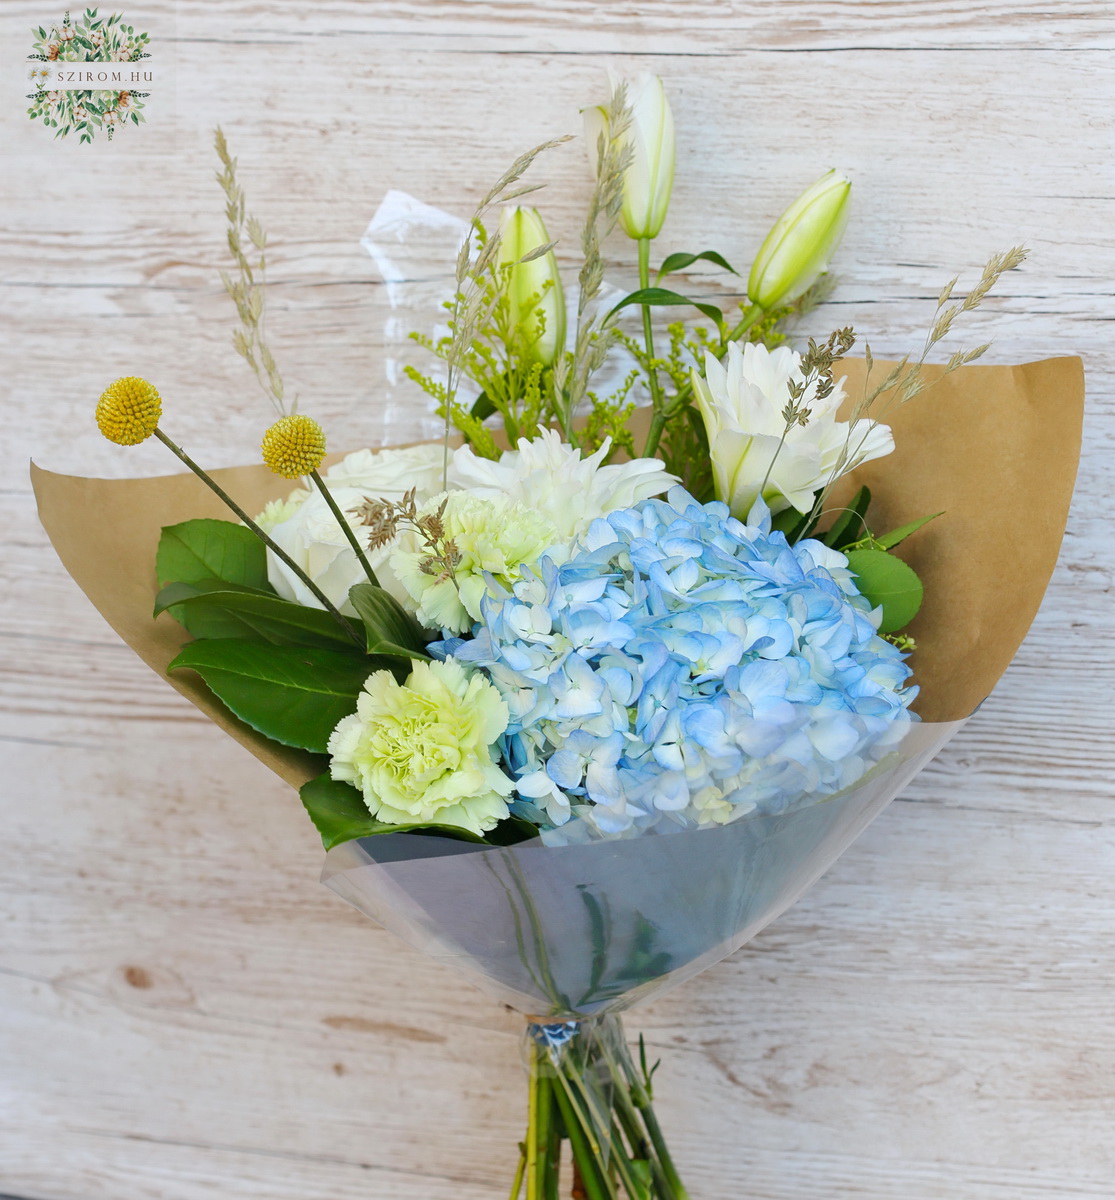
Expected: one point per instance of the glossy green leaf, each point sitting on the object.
(207, 549)
(214, 609)
(390, 628)
(482, 407)
(889, 540)
(657, 297)
(679, 261)
(850, 525)
(510, 831)
(202, 621)
(339, 813)
(886, 580)
(294, 695)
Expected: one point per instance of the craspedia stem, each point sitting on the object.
(294, 447)
(346, 528)
(273, 546)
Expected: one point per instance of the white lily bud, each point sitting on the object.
(533, 287)
(799, 246)
(649, 178)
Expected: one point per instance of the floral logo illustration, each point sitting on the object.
(67, 108)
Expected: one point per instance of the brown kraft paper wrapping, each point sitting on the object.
(994, 447)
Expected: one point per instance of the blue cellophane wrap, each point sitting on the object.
(584, 929)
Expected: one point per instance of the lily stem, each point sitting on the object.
(750, 318)
(597, 1186)
(273, 546)
(659, 419)
(520, 1170)
(532, 1160)
(640, 1098)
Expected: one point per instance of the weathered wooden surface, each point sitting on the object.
(184, 1011)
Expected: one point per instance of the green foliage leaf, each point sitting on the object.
(850, 526)
(679, 261)
(293, 695)
(204, 549)
(510, 831)
(214, 609)
(889, 540)
(338, 811)
(886, 580)
(793, 524)
(482, 407)
(390, 628)
(657, 297)
(199, 619)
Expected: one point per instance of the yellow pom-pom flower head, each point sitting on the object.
(128, 411)
(294, 446)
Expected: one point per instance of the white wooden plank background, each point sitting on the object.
(184, 1011)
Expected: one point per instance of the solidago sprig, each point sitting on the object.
(473, 302)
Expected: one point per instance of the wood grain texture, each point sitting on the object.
(184, 1011)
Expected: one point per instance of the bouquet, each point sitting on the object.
(583, 695)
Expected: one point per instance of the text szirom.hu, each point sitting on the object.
(100, 76)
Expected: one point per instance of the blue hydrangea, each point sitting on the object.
(683, 668)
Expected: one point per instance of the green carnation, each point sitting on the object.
(423, 751)
(482, 536)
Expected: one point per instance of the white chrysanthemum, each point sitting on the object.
(493, 537)
(742, 407)
(307, 530)
(550, 475)
(275, 512)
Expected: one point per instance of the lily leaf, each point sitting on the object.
(293, 695)
(390, 628)
(207, 549)
(215, 609)
(338, 811)
(679, 261)
(889, 540)
(850, 526)
(887, 581)
(657, 297)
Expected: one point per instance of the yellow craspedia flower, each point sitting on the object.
(129, 411)
(294, 446)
